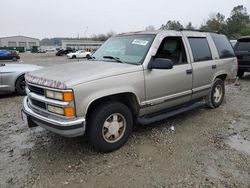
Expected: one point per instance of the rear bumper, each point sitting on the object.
(67, 128)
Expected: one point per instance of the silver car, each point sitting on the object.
(12, 77)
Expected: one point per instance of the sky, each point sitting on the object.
(70, 18)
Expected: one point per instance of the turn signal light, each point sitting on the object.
(67, 96)
(69, 111)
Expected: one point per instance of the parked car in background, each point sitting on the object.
(242, 51)
(233, 42)
(145, 77)
(9, 55)
(79, 54)
(64, 52)
(12, 77)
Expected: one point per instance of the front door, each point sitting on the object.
(169, 87)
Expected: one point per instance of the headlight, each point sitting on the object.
(55, 109)
(67, 111)
(62, 96)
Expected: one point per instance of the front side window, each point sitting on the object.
(172, 48)
(200, 49)
(127, 48)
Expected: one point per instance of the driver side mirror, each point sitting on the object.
(160, 63)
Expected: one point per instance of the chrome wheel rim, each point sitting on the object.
(217, 93)
(114, 127)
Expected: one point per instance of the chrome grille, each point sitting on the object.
(37, 90)
(38, 104)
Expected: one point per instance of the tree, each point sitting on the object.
(172, 25)
(189, 26)
(245, 31)
(215, 23)
(238, 20)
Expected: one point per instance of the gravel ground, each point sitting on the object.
(208, 148)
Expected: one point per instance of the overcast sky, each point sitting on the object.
(68, 18)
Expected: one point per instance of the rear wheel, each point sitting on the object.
(240, 74)
(73, 57)
(20, 85)
(216, 95)
(109, 127)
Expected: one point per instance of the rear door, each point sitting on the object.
(203, 65)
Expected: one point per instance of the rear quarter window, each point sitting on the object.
(223, 46)
(200, 49)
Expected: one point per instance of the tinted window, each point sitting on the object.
(223, 46)
(172, 48)
(243, 45)
(200, 49)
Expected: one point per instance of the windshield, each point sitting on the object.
(127, 48)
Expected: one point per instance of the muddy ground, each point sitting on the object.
(209, 148)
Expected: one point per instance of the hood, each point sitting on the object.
(67, 75)
(11, 67)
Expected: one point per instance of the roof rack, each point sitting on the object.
(199, 30)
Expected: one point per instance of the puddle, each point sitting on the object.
(238, 143)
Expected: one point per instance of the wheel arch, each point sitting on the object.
(128, 98)
(221, 75)
(19, 76)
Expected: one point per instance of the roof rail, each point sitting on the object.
(199, 30)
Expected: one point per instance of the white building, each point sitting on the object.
(88, 45)
(19, 41)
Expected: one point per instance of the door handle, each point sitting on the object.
(189, 71)
(214, 66)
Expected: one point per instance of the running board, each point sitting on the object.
(145, 120)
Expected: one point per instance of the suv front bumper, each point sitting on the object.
(67, 128)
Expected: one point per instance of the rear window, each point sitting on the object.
(200, 49)
(223, 46)
(243, 45)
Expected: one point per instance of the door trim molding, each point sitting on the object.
(161, 100)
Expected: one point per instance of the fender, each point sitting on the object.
(107, 93)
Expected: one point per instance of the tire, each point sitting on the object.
(240, 74)
(88, 56)
(20, 85)
(110, 125)
(216, 95)
(73, 57)
(14, 59)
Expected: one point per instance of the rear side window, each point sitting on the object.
(223, 46)
(200, 49)
(243, 45)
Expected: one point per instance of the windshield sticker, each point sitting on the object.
(140, 42)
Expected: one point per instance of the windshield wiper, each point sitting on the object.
(117, 59)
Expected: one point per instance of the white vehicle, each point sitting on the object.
(79, 54)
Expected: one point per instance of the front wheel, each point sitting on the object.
(216, 95)
(20, 85)
(110, 125)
